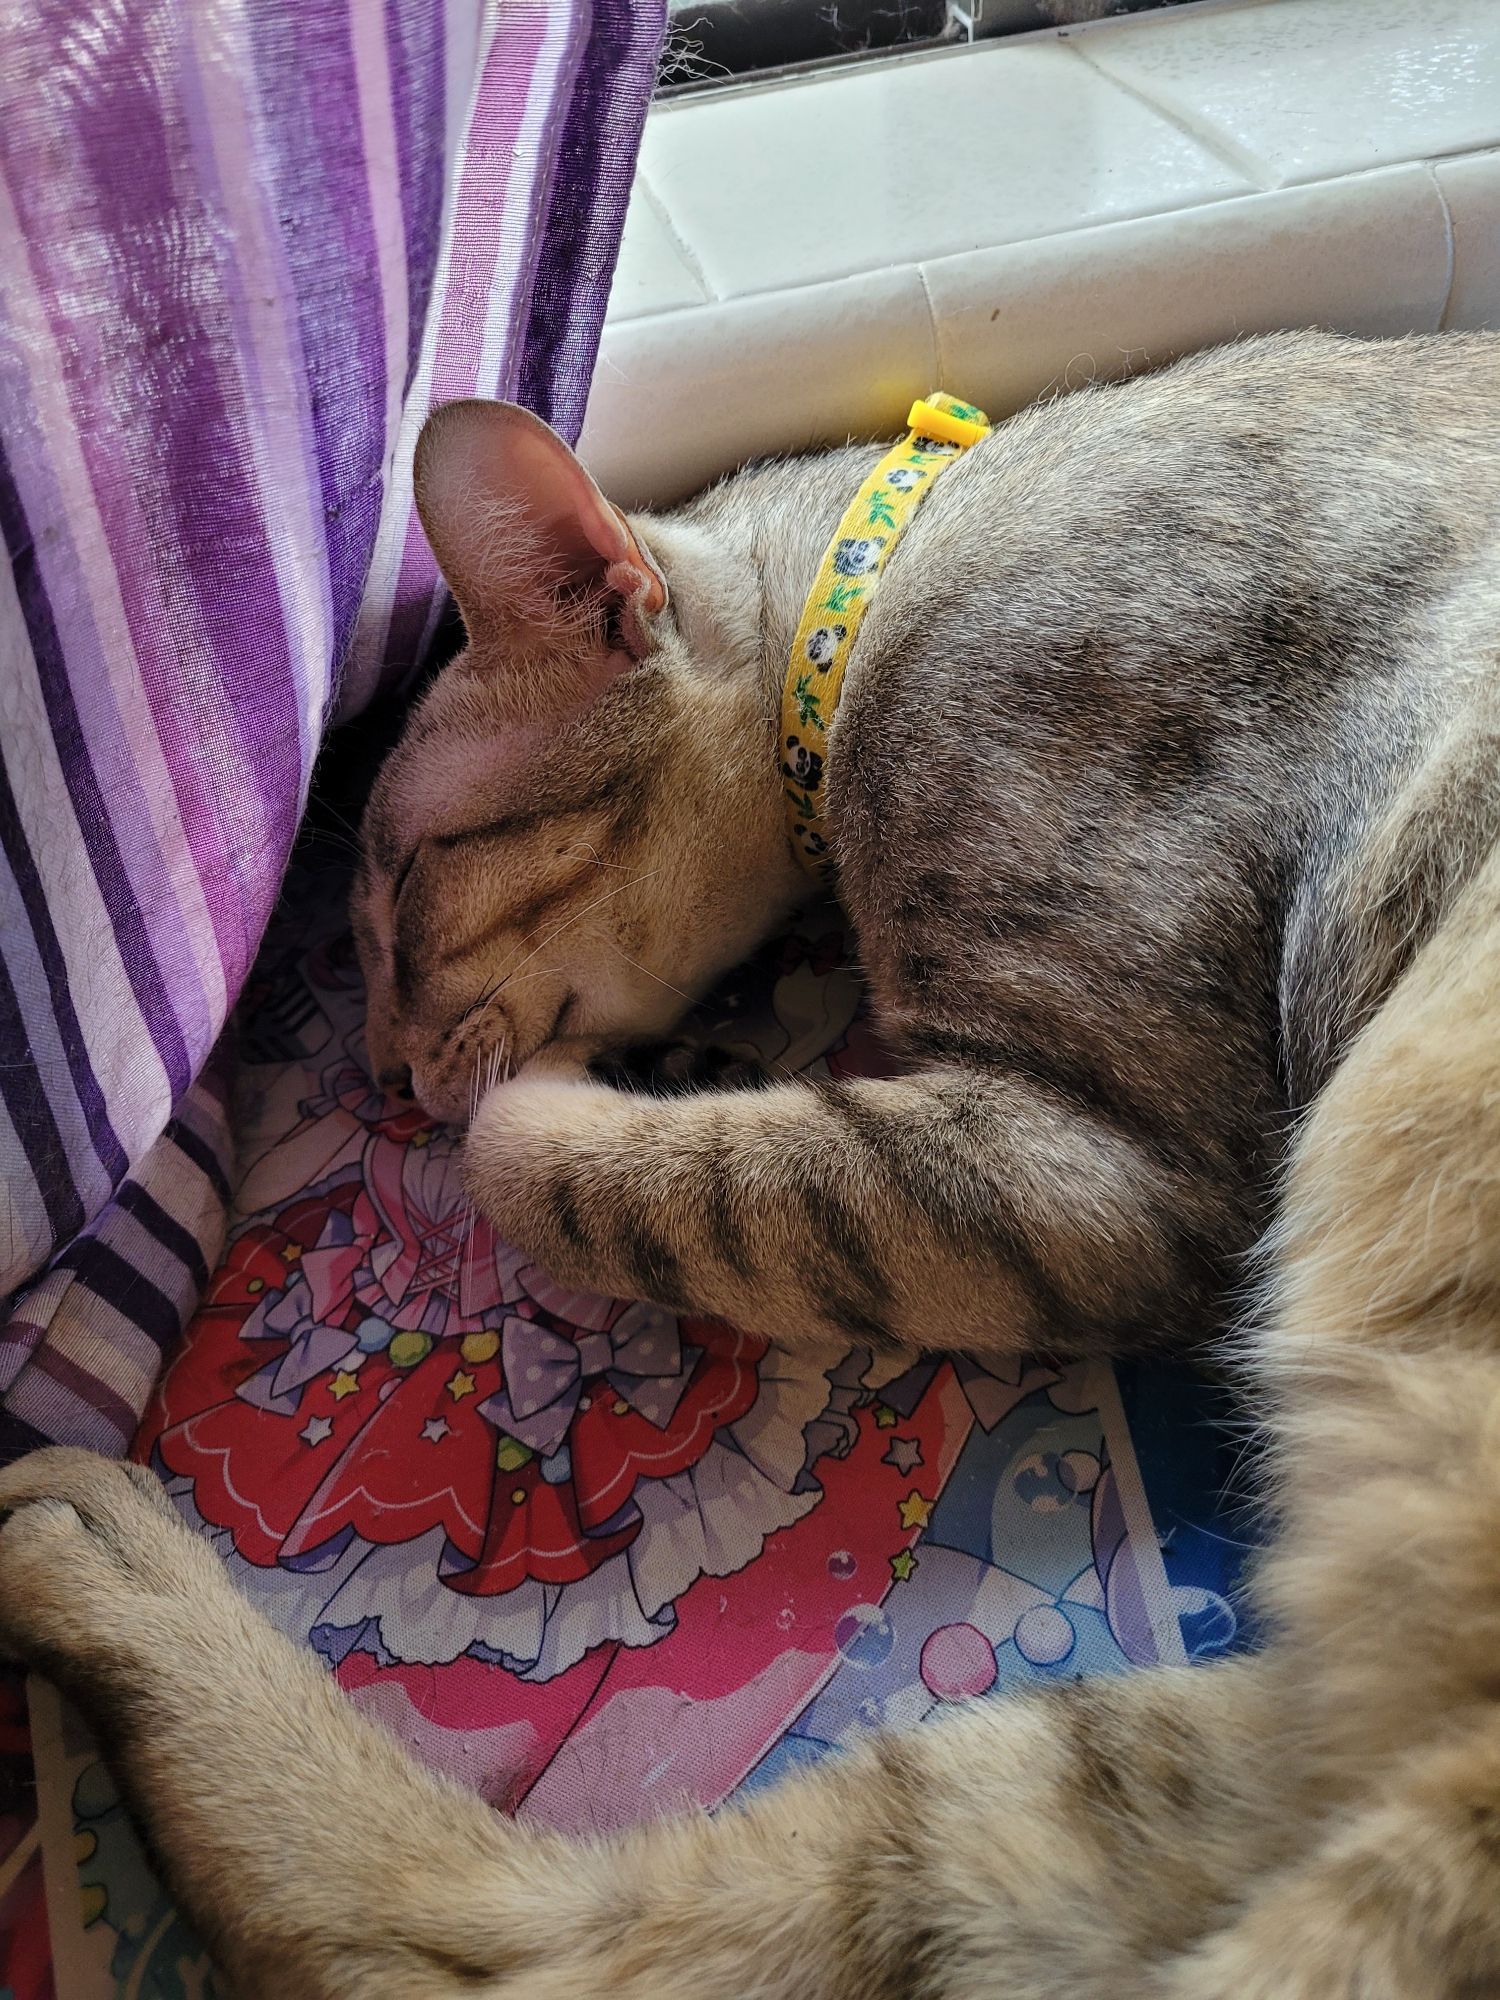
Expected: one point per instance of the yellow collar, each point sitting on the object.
(941, 430)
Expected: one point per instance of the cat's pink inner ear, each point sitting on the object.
(513, 519)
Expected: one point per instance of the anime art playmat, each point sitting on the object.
(580, 1551)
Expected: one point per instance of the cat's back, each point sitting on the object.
(1241, 539)
(1332, 394)
(1153, 656)
(1232, 473)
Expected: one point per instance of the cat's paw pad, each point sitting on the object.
(671, 1068)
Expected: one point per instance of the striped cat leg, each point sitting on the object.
(1399, 1901)
(1060, 1843)
(1382, 1363)
(1382, 1367)
(952, 1207)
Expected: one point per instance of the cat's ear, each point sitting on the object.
(528, 544)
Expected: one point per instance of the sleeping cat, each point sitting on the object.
(1106, 776)
(1163, 796)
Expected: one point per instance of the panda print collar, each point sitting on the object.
(940, 429)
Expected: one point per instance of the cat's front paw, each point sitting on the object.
(84, 1543)
(540, 1153)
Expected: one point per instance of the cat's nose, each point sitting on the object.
(397, 1080)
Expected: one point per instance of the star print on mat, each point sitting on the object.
(904, 1453)
(914, 1510)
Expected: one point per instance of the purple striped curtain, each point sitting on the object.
(244, 246)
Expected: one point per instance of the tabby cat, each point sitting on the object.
(1164, 797)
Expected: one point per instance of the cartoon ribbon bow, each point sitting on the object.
(641, 1357)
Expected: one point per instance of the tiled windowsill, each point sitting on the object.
(801, 260)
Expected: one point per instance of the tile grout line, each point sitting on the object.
(916, 262)
(1238, 158)
(934, 330)
(1452, 234)
(924, 265)
(679, 242)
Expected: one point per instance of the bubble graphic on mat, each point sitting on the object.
(958, 1662)
(871, 1712)
(786, 1618)
(1044, 1636)
(1208, 1621)
(865, 1636)
(1078, 1471)
(842, 1565)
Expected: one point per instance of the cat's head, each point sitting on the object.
(578, 830)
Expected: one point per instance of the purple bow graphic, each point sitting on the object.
(314, 1348)
(641, 1357)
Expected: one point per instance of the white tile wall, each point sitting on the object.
(1319, 87)
(1014, 322)
(801, 260)
(680, 399)
(980, 146)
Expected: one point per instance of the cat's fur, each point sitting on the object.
(1109, 790)
(1164, 797)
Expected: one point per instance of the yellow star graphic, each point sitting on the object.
(291, 1252)
(903, 1565)
(914, 1510)
(885, 1416)
(460, 1384)
(343, 1384)
(422, 1136)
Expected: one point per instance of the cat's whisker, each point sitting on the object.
(494, 1061)
(325, 804)
(541, 972)
(597, 859)
(330, 836)
(620, 952)
(466, 1248)
(497, 986)
(577, 918)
